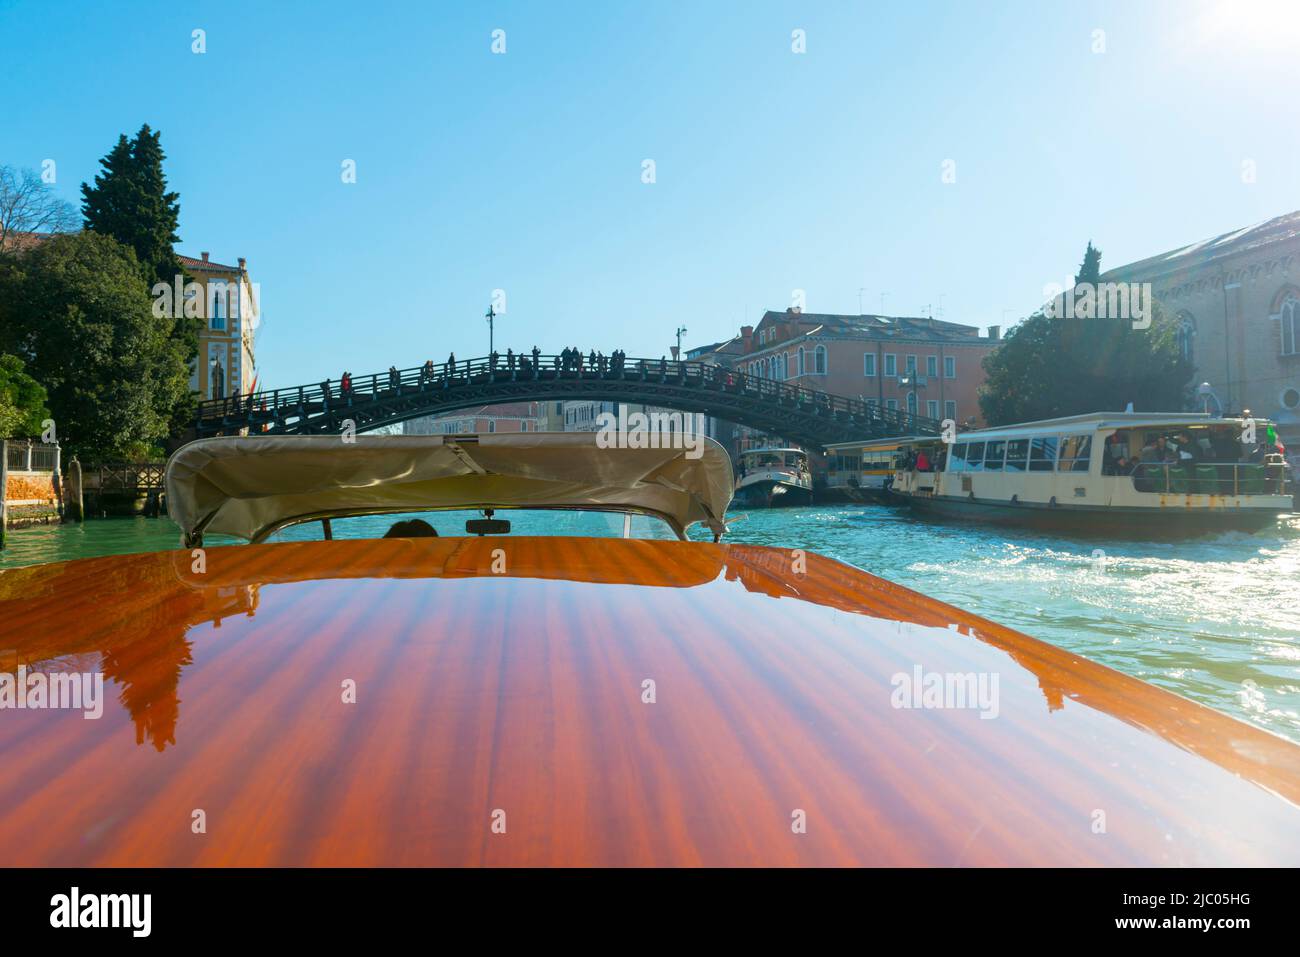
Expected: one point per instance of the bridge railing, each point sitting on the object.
(267, 407)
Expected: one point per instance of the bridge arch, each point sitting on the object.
(808, 417)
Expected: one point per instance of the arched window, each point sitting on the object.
(821, 360)
(217, 380)
(1290, 313)
(802, 369)
(785, 365)
(1187, 338)
(217, 292)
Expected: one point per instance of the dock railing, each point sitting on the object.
(29, 455)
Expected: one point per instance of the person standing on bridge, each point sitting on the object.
(510, 360)
(536, 355)
(394, 378)
(346, 383)
(451, 364)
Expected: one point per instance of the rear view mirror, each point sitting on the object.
(487, 526)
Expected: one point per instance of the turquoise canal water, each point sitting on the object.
(1216, 619)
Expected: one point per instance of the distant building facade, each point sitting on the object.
(1236, 298)
(920, 365)
(504, 417)
(226, 363)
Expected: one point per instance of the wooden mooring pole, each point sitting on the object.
(74, 510)
(4, 491)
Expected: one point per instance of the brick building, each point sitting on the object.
(921, 365)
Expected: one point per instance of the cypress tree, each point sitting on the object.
(130, 202)
(1090, 268)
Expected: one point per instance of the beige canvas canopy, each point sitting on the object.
(250, 486)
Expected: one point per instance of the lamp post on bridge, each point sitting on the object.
(681, 330)
(490, 315)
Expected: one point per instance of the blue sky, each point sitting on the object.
(775, 171)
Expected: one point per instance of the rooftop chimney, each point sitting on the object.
(747, 336)
(205, 256)
(243, 264)
(995, 332)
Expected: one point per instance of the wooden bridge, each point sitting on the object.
(116, 487)
(811, 418)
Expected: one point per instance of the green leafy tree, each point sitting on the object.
(1056, 366)
(131, 203)
(22, 400)
(77, 311)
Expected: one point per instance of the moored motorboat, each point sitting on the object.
(773, 478)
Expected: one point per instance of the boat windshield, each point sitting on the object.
(769, 460)
(589, 523)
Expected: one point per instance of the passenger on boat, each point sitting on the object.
(1116, 460)
(923, 462)
(1158, 451)
(1183, 449)
(411, 528)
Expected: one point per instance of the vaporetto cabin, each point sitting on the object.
(1177, 470)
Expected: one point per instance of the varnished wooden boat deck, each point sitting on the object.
(522, 692)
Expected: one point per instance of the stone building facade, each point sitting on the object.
(1236, 298)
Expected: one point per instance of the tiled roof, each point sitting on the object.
(730, 346)
(1277, 229)
(24, 241)
(189, 262)
(865, 326)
